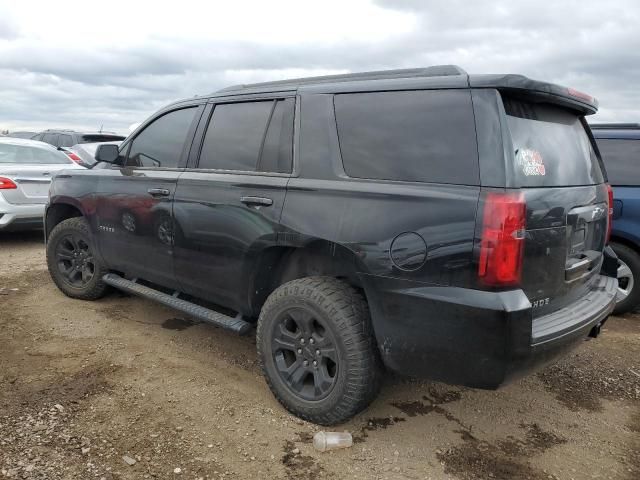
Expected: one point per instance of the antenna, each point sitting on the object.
(101, 127)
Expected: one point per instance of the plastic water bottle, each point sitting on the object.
(324, 441)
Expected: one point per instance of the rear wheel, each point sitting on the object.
(72, 264)
(317, 350)
(628, 296)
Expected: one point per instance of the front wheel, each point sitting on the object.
(317, 350)
(628, 296)
(72, 263)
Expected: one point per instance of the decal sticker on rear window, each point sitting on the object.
(531, 162)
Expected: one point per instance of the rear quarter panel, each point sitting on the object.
(366, 216)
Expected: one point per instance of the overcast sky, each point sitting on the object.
(82, 64)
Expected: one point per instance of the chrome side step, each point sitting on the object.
(237, 324)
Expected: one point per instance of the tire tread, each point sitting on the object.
(348, 310)
(97, 288)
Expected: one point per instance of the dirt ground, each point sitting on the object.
(125, 389)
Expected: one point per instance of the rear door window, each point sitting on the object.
(622, 160)
(551, 147)
(277, 151)
(249, 136)
(414, 136)
(51, 138)
(65, 140)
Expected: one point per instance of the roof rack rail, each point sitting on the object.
(433, 71)
(615, 126)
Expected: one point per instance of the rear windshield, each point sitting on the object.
(551, 147)
(621, 159)
(100, 137)
(30, 155)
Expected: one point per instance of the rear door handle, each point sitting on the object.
(257, 201)
(159, 192)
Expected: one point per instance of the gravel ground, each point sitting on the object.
(125, 389)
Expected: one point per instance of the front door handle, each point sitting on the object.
(159, 192)
(257, 201)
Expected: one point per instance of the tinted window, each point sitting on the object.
(99, 137)
(551, 146)
(51, 138)
(65, 140)
(161, 143)
(235, 135)
(419, 136)
(30, 155)
(278, 144)
(622, 160)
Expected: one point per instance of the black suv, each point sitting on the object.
(69, 138)
(437, 223)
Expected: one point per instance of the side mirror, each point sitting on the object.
(107, 153)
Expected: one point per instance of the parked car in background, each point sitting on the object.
(27, 135)
(26, 170)
(69, 138)
(619, 145)
(446, 225)
(84, 153)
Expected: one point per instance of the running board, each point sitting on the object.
(237, 324)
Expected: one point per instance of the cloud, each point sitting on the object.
(78, 66)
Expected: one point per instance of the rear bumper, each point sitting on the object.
(474, 338)
(18, 217)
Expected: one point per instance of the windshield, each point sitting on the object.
(551, 147)
(25, 154)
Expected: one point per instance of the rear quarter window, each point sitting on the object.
(551, 147)
(621, 159)
(414, 136)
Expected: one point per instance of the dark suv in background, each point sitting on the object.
(69, 138)
(441, 224)
(619, 144)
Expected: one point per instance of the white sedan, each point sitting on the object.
(26, 169)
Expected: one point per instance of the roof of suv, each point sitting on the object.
(438, 76)
(629, 131)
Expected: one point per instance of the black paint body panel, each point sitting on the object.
(411, 247)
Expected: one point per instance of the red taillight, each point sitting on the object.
(74, 157)
(502, 239)
(7, 184)
(610, 216)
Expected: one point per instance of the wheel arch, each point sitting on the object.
(57, 213)
(626, 241)
(280, 264)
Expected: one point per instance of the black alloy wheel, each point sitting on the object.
(71, 260)
(317, 349)
(304, 353)
(75, 260)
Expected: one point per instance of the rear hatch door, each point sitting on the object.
(555, 166)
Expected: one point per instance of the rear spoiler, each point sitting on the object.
(536, 91)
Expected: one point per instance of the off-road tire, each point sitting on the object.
(631, 258)
(343, 311)
(95, 288)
